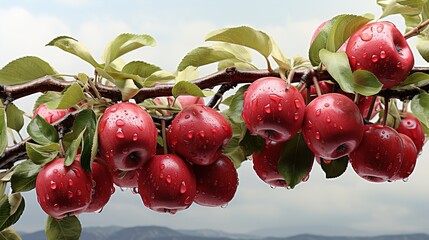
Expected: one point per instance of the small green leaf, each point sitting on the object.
(244, 36)
(187, 88)
(420, 107)
(83, 78)
(240, 53)
(11, 208)
(68, 228)
(422, 45)
(24, 70)
(300, 62)
(70, 97)
(3, 130)
(158, 77)
(24, 176)
(236, 106)
(15, 117)
(42, 154)
(9, 234)
(188, 74)
(319, 43)
(125, 43)
(140, 68)
(42, 132)
(408, 7)
(235, 63)
(127, 83)
(295, 160)
(73, 148)
(366, 83)
(278, 56)
(74, 47)
(334, 168)
(46, 97)
(338, 67)
(416, 79)
(394, 117)
(202, 56)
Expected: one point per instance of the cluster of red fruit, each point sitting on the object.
(332, 125)
(195, 171)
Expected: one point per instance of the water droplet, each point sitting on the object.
(161, 175)
(267, 108)
(47, 197)
(377, 156)
(214, 130)
(399, 65)
(259, 117)
(296, 116)
(326, 105)
(405, 180)
(380, 28)
(113, 109)
(168, 178)
(135, 190)
(297, 103)
(55, 171)
(79, 192)
(190, 134)
(280, 107)
(69, 194)
(188, 200)
(56, 207)
(162, 166)
(187, 116)
(120, 123)
(318, 112)
(382, 54)
(275, 98)
(183, 188)
(328, 119)
(70, 182)
(125, 151)
(374, 58)
(366, 35)
(341, 127)
(202, 134)
(353, 60)
(364, 55)
(224, 206)
(135, 137)
(119, 133)
(317, 136)
(53, 185)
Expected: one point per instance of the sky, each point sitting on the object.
(347, 205)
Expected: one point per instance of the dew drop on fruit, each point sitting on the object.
(120, 134)
(382, 54)
(69, 194)
(56, 207)
(202, 134)
(328, 119)
(53, 185)
(161, 175)
(318, 112)
(187, 116)
(275, 98)
(214, 130)
(280, 107)
(112, 191)
(267, 108)
(70, 182)
(135, 190)
(162, 166)
(135, 137)
(120, 123)
(374, 58)
(298, 104)
(188, 200)
(399, 65)
(168, 178)
(366, 35)
(224, 206)
(405, 180)
(326, 105)
(113, 109)
(55, 171)
(259, 117)
(296, 116)
(353, 60)
(377, 156)
(380, 28)
(78, 192)
(47, 197)
(183, 187)
(317, 136)
(190, 134)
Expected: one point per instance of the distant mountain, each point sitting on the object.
(163, 233)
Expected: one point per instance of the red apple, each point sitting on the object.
(51, 115)
(409, 161)
(198, 134)
(333, 126)
(324, 86)
(216, 183)
(167, 184)
(412, 127)
(365, 103)
(127, 136)
(380, 154)
(63, 191)
(125, 179)
(380, 48)
(102, 186)
(272, 111)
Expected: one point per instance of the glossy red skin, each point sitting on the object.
(181, 102)
(102, 186)
(324, 88)
(364, 104)
(333, 126)
(167, 184)
(380, 48)
(51, 115)
(198, 134)
(125, 179)
(380, 154)
(216, 183)
(63, 191)
(409, 161)
(271, 111)
(413, 128)
(127, 136)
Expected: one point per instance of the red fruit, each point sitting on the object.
(333, 126)
(324, 88)
(187, 100)
(127, 136)
(125, 179)
(167, 184)
(272, 111)
(364, 104)
(412, 127)
(63, 191)
(216, 183)
(380, 48)
(102, 186)
(266, 165)
(380, 154)
(198, 134)
(409, 161)
(51, 115)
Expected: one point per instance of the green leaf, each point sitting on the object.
(42, 132)
(278, 56)
(334, 168)
(236, 106)
(187, 88)
(125, 43)
(24, 176)
(3, 130)
(338, 67)
(68, 228)
(244, 36)
(73, 148)
(420, 107)
(11, 208)
(70, 97)
(319, 43)
(83, 78)
(124, 81)
(9, 234)
(301, 62)
(46, 97)
(416, 79)
(140, 68)
(188, 74)
(74, 47)
(240, 53)
(422, 45)
(15, 117)
(24, 70)
(42, 154)
(295, 160)
(202, 56)
(408, 7)
(236, 63)
(342, 28)
(366, 83)
(158, 77)
(394, 117)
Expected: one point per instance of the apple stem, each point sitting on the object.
(61, 136)
(289, 78)
(96, 92)
(164, 136)
(416, 30)
(386, 110)
(371, 108)
(316, 86)
(357, 96)
(405, 106)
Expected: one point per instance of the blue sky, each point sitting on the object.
(347, 205)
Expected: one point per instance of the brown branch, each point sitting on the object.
(416, 31)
